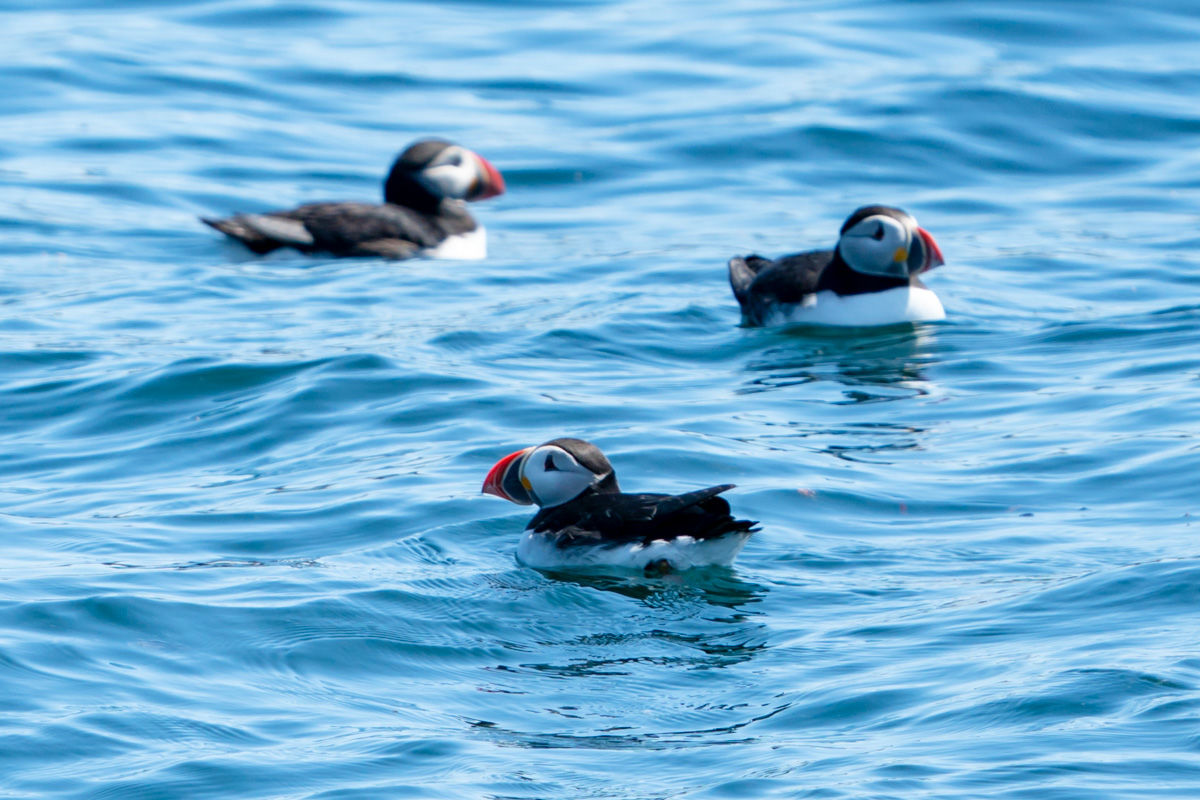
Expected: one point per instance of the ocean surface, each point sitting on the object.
(243, 550)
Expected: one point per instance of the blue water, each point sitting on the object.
(244, 550)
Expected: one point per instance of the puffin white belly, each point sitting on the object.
(539, 551)
(469, 246)
(889, 307)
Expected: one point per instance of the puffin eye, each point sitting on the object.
(550, 466)
(878, 234)
(455, 160)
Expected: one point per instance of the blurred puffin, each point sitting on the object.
(423, 212)
(585, 520)
(870, 278)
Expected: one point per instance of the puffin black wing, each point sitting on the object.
(787, 279)
(347, 229)
(759, 282)
(616, 519)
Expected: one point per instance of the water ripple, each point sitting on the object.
(245, 549)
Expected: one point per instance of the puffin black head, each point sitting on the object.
(432, 170)
(885, 241)
(551, 474)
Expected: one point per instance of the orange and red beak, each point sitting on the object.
(491, 182)
(933, 253)
(504, 479)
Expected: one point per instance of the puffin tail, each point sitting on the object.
(235, 228)
(742, 272)
(263, 233)
(740, 278)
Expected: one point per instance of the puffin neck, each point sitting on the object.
(840, 278)
(607, 486)
(403, 189)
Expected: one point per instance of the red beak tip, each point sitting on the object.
(495, 181)
(934, 258)
(494, 482)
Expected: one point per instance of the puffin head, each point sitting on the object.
(550, 474)
(885, 241)
(434, 169)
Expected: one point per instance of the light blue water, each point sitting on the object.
(244, 553)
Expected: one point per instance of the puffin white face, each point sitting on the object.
(460, 174)
(887, 246)
(452, 173)
(552, 476)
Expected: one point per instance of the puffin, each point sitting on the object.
(872, 277)
(423, 212)
(585, 520)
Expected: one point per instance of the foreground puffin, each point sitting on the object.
(423, 212)
(586, 521)
(870, 278)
